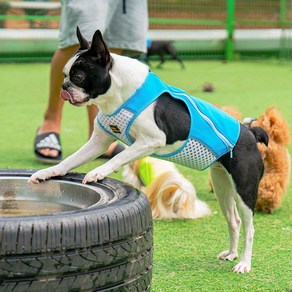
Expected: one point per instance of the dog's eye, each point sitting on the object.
(77, 78)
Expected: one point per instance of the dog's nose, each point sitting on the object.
(65, 86)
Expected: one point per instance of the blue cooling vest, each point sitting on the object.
(213, 133)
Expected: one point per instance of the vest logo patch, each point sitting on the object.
(115, 129)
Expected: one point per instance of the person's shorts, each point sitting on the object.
(123, 23)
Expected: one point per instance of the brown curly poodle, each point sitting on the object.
(276, 159)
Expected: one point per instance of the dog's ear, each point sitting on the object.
(99, 49)
(84, 44)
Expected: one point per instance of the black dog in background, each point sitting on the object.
(162, 49)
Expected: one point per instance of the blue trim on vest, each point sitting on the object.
(212, 127)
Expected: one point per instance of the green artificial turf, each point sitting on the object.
(184, 250)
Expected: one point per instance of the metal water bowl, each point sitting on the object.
(18, 198)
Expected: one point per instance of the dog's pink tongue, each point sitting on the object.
(66, 95)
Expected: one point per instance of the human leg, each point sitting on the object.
(53, 113)
(89, 16)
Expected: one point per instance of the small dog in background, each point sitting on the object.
(276, 157)
(170, 194)
(162, 49)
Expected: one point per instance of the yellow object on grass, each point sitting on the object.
(146, 171)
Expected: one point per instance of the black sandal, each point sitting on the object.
(50, 140)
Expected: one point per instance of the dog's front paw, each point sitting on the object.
(242, 267)
(95, 175)
(227, 255)
(45, 174)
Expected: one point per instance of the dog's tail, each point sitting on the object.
(260, 135)
(171, 196)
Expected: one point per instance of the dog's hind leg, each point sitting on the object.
(225, 192)
(172, 52)
(244, 171)
(246, 213)
(162, 60)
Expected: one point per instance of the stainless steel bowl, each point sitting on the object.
(18, 198)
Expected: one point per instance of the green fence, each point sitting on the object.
(231, 28)
(223, 29)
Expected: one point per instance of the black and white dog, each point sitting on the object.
(165, 126)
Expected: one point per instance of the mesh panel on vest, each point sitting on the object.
(194, 155)
(116, 124)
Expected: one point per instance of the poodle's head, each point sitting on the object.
(275, 125)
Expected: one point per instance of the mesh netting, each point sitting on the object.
(198, 28)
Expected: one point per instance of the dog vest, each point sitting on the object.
(213, 132)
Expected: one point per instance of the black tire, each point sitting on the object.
(103, 248)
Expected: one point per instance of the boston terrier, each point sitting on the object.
(157, 119)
